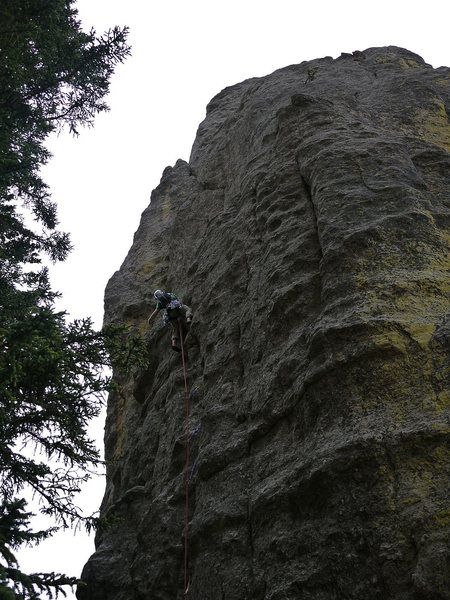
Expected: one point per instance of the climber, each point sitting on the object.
(175, 313)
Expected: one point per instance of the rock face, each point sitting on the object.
(310, 234)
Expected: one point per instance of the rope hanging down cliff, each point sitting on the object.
(178, 315)
(186, 466)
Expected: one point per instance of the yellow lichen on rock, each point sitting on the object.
(166, 208)
(421, 333)
(149, 267)
(389, 340)
(408, 63)
(444, 260)
(423, 298)
(423, 473)
(445, 81)
(139, 324)
(442, 403)
(404, 63)
(442, 518)
(143, 327)
(433, 125)
(427, 296)
(152, 268)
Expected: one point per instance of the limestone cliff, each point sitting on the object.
(310, 233)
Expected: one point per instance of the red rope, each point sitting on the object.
(186, 468)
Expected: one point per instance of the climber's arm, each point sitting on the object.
(152, 315)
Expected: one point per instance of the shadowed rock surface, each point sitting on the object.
(310, 234)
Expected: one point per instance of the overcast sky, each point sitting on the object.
(183, 53)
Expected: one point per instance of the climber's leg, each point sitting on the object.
(176, 343)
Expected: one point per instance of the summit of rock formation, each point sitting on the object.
(310, 234)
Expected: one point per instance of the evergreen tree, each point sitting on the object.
(52, 75)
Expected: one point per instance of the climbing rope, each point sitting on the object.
(186, 467)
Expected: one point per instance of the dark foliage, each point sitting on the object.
(52, 373)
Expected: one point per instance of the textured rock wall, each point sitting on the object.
(310, 233)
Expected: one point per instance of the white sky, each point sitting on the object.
(185, 52)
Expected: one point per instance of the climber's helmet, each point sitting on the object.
(158, 295)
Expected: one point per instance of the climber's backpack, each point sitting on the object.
(166, 299)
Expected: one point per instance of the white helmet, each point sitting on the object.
(158, 295)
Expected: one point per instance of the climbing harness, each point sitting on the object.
(186, 467)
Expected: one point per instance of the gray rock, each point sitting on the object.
(310, 234)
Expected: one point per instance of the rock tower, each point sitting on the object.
(309, 231)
